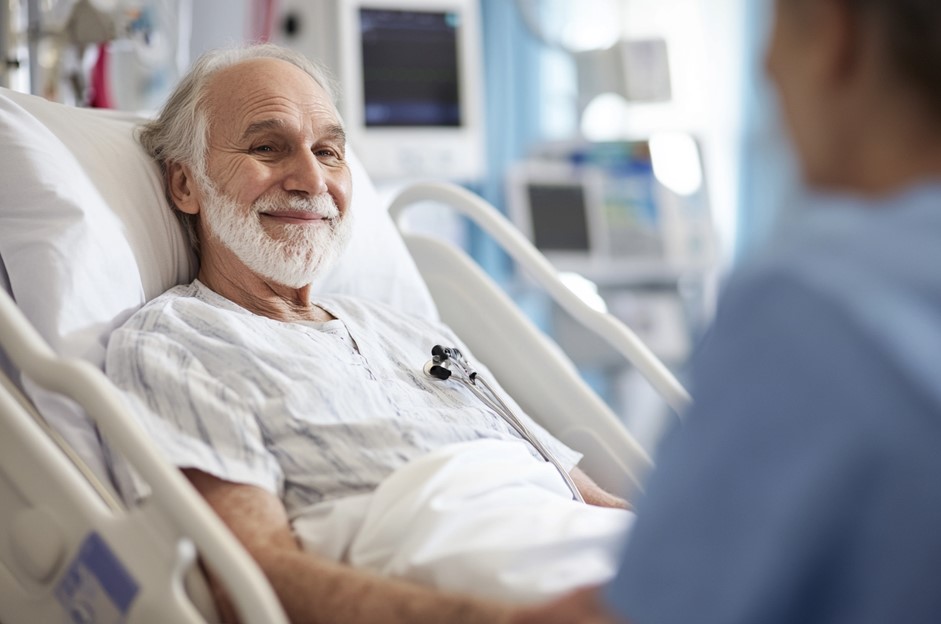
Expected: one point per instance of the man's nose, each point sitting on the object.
(305, 174)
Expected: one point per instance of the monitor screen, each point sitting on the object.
(410, 68)
(559, 217)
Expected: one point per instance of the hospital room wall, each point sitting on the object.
(532, 98)
(514, 83)
(532, 88)
(706, 42)
(217, 23)
(722, 95)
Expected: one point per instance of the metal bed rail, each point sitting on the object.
(173, 507)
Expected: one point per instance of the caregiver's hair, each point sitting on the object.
(912, 35)
(180, 133)
(913, 40)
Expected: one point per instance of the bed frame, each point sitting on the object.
(69, 549)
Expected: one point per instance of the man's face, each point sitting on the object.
(297, 252)
(277, 186)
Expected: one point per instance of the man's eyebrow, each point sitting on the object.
(336, 132)
(333, 131)
(264, 125)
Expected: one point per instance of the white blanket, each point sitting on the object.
(480, 517)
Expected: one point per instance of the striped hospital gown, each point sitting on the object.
(309, 412)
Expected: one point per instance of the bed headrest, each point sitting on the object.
(87, 236)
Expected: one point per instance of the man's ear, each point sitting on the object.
(182, 189)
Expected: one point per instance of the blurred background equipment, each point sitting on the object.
(123, 54)
(624, 137)
(412, 90)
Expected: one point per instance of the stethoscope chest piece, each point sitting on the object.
(449, 363)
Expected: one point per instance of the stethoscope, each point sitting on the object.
(446, 361)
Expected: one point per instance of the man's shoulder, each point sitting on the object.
(182, 305)
(188, 318)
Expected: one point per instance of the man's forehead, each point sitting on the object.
(255, 69)
(327, 128)
(268, 90)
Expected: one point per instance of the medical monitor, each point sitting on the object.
(410, 68)
(591, 207)
(558, 214)
(409, 80)
(411, 96)
(558, 207)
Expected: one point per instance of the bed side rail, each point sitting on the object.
(522, 251)
(173, 507)
(529, 366)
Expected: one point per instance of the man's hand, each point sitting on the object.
(593, 493)
(580, 607)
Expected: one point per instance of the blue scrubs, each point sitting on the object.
(805, 484)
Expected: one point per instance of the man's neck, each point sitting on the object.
(225, 275)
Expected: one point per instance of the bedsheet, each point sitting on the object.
(481, 517)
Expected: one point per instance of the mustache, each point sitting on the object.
(321, 205)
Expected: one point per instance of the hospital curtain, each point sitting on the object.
(512, 85)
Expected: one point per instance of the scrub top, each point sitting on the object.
(804, 485)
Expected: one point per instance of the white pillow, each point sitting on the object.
(87, 237)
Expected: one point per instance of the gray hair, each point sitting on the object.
(180, 133)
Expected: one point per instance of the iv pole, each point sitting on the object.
(33, 35)
(6, 61)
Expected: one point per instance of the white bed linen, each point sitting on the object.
(479, 517)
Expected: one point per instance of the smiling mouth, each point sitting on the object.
(301, 218)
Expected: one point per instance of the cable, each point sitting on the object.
(437, 368)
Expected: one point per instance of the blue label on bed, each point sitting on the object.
(97, 587)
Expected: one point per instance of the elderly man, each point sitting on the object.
(288, 412)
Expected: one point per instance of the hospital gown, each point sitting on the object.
(804, 484)
(310, 412)
(377, 464)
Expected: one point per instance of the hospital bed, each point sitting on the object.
(87, 238)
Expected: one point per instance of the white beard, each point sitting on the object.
(292, 254)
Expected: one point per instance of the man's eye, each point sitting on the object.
(327, 152)
(264, 149)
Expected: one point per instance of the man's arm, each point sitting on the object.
(313, 589)
(593, 493)
(583, 606)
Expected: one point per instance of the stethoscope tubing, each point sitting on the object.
(469, 379)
